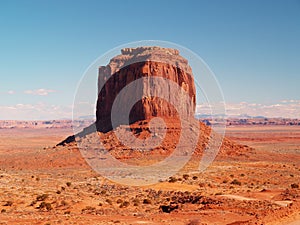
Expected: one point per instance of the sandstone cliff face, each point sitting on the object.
(152, 97)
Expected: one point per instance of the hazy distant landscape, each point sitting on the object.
(9, 124)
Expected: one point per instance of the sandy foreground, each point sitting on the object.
(40, 184)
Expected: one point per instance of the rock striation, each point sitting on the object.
(164, 97)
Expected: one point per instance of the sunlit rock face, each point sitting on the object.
(166, 89)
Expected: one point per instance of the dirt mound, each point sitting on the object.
(165, 138)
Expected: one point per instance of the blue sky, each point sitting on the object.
(253, 47)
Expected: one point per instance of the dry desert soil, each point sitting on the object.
(43, 184)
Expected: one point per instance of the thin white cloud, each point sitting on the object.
(41, 92)
(295, 101)
(284, 109)
(38, 111)
(11, 92)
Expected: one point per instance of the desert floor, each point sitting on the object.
(40, 184)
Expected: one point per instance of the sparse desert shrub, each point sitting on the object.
(194, 222)
(45, 205)
(231, 175)
(168, 208)
(88, 209)
(64, 203)
(48, 206)
(58, 192)
(195, 177)
(3, 210)
(42, 205)
(225, 181)
(68, 184)
(42, 197)
(172, 179)
(136, 202)
(124, 204)
(8, 203)
(201, 184)
(96, 192)
(119, 201)
(147, 201)
(32, 203)
(185, 176)
(294, 185)
(242, 175)
(103, 192)
(236, 182)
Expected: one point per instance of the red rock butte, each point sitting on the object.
(148, 62)
(145, 62)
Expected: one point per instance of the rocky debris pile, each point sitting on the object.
(168, 143)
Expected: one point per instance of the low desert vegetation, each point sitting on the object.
(119, 201)
(88, 209)
(42, 197)
(45, 205)
(173, 180)
(124, 204)
(236, 182)
(147, 201)
(294, 185)
(8, 203)
(193, 222)
(185, 176)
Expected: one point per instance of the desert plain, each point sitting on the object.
(41, 183)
